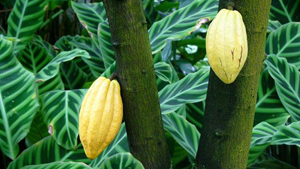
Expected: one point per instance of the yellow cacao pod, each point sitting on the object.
(226, 45)
(100, 116)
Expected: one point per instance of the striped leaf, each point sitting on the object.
(195, 114)
(121, 161)
(285, 10)
(90, 15)
(110, 70)
(269, 107)
(266, 161)
(190, 89)
(24, 20)
(181, 23)
(38, 130)
(163, 71)
(18, 100)
(59, 164)
(284, 42)
(47, 151)
(106, 47)
(34, 57)
(119, 145)
(61, 113)
(288, 135)
(39, 40)
(65, 44)
(185, 133)
(52, 68)
(287, 81)
(273, 25)
(72, 76)
(261, 138)
(96, 62)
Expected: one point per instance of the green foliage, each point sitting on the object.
(46, 65)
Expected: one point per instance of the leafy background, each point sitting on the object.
(51, 52)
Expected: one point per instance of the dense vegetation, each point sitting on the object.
(51, 52)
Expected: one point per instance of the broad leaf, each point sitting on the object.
(38, 130)
(121, 161)
(24, 20)
(190, 89)
(269, 107)
(163, 71)
(96, 62)
(52, 68)
(288, 135)
(90, 15)
(261, 138)
(284, 42)
(58, 164)
(181, 23)
(119, 145)
(18, 100)
(285, 10)
(47, 151)
(185, 133)
(106, 47)
(195, 114)
(61, 114)
(65, 44)
(273, 25)
(287, 80)
(34, 57)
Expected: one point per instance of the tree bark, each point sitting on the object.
(136, 75)
(229, 113)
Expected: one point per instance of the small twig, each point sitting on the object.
(113, 76)
(5, 10)
(56, 48)
(2, 30)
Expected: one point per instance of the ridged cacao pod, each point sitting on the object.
(226, 45)
(100, 116)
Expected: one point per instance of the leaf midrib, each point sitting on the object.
(6, 125)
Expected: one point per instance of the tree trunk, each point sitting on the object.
(136, 75)
(229, 113)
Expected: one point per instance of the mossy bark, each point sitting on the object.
(136, 75)
(229, 113)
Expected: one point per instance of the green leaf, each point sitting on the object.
(163, 71)
(65, 44)
(269, 107)
(38, 130)
(106, 47)
(96, 62)
(287, 80)
(90, 15)
(52, 68)
(195, 114)
(18, 100)
(269, 162)
(185, 133)
(261, 138)
(58, 164)
(110, 70)
(288, 135)
(285, 10)
(34, 58)
(273, 25)
(61, 114)
(284, 42)
(180, 23)
(119, 145)
(190, 89)
(121, 161)
(47, 151)
(24, 20)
